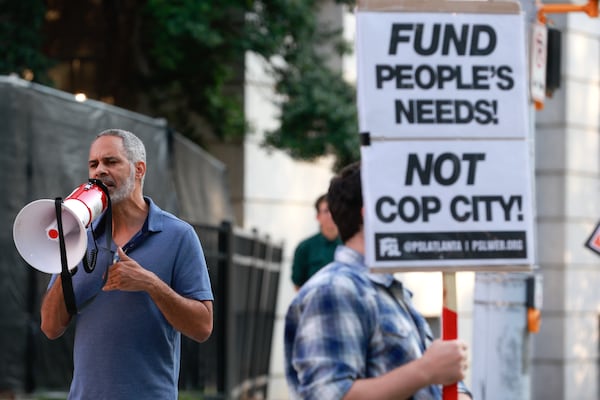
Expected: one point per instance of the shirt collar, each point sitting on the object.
(155, 217)
(351, 257)
(153, 223)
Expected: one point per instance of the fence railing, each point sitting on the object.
(244, 269)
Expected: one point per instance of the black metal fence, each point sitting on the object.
(244, 271)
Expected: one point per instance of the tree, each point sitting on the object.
(184, 60)
(318, 112)
(20, 39)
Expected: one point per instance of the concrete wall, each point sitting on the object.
(279, 192)
(278, 197)
(565, 356)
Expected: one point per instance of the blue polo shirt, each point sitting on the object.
(124, 347)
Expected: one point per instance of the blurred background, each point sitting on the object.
(247, 109)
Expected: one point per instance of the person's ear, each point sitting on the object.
(140, 169)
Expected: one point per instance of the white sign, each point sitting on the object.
(441, 74)
(447, 203)
(443, 98)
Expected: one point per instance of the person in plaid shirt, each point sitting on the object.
(353, 334)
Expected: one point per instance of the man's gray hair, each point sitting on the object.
(134, 147)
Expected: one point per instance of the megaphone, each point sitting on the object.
(35, 230)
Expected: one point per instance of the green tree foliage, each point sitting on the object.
(184, 60)
(194, 54)
(21, 41)
(318, 115)
(318, 112)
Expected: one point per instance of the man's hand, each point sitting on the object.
(446, 361)
(191, 317)
(443, 363)
(126, 274)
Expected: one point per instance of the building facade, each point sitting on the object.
(562, 359)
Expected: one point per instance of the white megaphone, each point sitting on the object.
(35, 230)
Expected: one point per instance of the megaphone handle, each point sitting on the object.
(67, 283)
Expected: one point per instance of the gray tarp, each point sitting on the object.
(44, 140)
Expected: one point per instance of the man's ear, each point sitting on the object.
(140, 169)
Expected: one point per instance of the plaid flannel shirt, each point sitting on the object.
(347, 324)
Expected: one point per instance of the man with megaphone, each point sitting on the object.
(150, 284)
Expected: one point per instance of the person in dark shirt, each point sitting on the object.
(316, 251)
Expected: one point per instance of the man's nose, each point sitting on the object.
(99, 172)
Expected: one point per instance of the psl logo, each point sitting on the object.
(388, 247)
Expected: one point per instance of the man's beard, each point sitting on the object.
(123, 191)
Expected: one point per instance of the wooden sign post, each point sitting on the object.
(450, 322)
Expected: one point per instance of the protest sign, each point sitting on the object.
(444, 112)
(447, 204)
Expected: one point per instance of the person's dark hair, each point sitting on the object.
(345, 201)
(319, 200)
